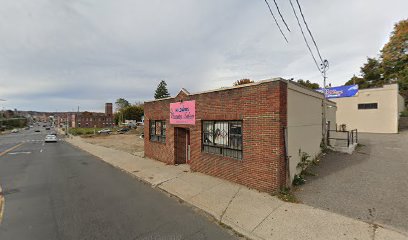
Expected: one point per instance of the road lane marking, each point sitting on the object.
(15, 153)
(10, 149)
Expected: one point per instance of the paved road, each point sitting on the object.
(55, 191)
(371, 184)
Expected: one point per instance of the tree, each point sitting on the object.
(392, 66)
(395, 57)
(133, 112)
(362, 83)
(121, 103)
(161, 90)
(308, 84)
(371, 75)
(243, 81)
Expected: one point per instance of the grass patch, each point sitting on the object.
(287, 195)
(83, 131)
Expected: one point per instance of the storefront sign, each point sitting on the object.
(340, 92)
(182, 112)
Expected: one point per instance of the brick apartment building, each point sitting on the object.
(251, 134)
(94, 119)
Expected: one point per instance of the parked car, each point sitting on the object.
(106, 131)
(47, 128)
(14, 130)
(37, 130)
(27, 128)
(50, 138)
(123, 130)
(53, 133)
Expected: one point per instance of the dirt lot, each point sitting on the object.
(128, 142)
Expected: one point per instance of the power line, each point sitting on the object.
(277, 24)
(310, 32)
(280, 14)
(304, 37)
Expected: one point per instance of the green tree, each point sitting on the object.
(395, 57)
(242, 81)
(371, 75)
(161, 90)
(362, 83)
(133, 113)
(121, 103)
(308, 84)
(373, 71)
(391, 67)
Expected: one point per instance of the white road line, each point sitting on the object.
(14, 153)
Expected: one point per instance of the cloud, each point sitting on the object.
(57, 54)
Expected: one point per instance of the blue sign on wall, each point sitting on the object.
(340, 92)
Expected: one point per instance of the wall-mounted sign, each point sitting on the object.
(182, 112)
(340, 92)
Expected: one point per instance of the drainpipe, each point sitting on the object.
(287, 175)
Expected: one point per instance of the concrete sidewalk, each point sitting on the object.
(249, 212)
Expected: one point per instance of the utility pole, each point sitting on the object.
(324, 66)
(1, 116)
(67, 124)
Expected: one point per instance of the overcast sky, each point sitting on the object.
(56, 55)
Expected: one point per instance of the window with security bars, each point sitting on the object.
(362, 106)
(158, 131)
(223, 138)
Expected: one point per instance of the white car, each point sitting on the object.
(107, 131)
(50, 138)
(14, 130)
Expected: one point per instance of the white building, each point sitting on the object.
(374, 110)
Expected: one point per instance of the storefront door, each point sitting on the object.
(182, 145)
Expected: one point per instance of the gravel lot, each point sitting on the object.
(129, 142)
(370, 185)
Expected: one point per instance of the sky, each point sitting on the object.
(58, 55)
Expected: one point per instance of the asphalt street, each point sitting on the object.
(56, 191)
(369, 185)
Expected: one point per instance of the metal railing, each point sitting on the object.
(350, 137)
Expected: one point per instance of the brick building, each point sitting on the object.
(94, 119)
(238, 133)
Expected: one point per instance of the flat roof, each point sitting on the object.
(242, 86)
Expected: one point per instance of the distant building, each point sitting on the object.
(94, 119)
(373, 110)
(63, 118)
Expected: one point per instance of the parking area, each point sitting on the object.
(369, 185)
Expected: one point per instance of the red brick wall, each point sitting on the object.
(262, 109)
